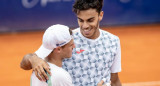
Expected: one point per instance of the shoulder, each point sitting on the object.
(61, 78)
(109, 35)
(75, 31)
(57, 71)
(59, 74)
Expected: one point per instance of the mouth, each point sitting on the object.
(86, 32)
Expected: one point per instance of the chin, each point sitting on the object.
(69, 56)
(87, 36)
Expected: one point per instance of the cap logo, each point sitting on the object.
(60, 44)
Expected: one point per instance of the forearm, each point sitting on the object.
(116, 83)
(25, 63)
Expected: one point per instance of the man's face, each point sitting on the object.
(88, 21)
(67, 49)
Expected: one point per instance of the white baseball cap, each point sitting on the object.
(54, 36)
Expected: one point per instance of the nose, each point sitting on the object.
(85, 25)
(74, 46)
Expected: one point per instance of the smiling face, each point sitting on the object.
(88, 21)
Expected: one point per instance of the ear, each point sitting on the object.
(58, 49)
(101, 15)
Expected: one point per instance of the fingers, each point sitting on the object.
(43, 74)
(39, 66)
(101, 82)
(47, 69)
(36, 73)
(39, 74)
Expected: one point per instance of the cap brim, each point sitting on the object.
(42, 52)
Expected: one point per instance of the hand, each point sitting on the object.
(101, 83)
(38, 66)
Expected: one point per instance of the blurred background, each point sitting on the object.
(136, 22)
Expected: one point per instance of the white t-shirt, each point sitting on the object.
(59, 77)
(93, 60)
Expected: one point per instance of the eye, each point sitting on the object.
(80, 20)
(90, 20)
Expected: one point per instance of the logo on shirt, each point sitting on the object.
(78, 52)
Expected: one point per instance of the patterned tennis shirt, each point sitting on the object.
(93, 59)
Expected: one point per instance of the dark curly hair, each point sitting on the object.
(80, 5)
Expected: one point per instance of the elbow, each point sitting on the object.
(24, 67)
(25, 64)
(21, 65)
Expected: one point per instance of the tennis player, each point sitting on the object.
(57, 45)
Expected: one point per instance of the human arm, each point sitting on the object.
(32, 61)
(116, 66)
(115, 81)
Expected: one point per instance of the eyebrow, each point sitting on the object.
(87, 19)
(91, 18)
(79, 18)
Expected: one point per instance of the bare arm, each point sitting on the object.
(115, 81)
(32, 61)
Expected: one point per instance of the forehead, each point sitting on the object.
(86, 14)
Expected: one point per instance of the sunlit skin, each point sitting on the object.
(88, 21)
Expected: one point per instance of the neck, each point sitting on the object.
(97, 34)
(54, 60)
